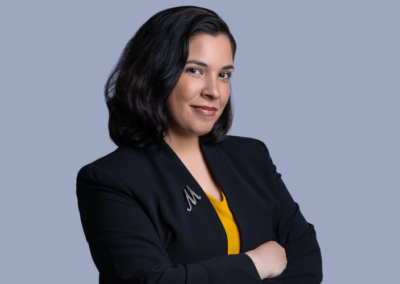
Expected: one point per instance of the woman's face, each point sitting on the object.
(203, 82)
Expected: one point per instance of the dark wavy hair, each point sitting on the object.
(150, 65)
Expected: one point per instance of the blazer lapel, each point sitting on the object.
(195, 243)
(237, 192)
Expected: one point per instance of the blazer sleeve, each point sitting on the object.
(296, 236)
(124, 244)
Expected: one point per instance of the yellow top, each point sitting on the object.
(228, 221)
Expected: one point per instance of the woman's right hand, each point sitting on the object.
(269, 259)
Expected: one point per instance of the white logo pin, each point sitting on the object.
(191, 198)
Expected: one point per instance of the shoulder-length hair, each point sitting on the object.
(150, 65)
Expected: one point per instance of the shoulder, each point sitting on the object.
(123, 160)
(247, 152)
(247, 145)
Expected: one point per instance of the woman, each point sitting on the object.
(179, 200)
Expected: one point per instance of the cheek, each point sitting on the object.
(180, 98)
(176, 98)
(188, 89)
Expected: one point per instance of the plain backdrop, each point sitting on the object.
(317, 81)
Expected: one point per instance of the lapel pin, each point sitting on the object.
(191, 198)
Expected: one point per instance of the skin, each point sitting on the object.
(199, 85)
(209, 85)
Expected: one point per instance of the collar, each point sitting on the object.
(165, 153)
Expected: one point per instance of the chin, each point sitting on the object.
(201, 133)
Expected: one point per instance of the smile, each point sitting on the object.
(204, 111)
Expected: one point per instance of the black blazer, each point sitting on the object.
(135, 217)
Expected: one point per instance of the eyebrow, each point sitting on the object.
(205, 65)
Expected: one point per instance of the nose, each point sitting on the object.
(211, 88)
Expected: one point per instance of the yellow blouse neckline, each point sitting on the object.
(212, 198)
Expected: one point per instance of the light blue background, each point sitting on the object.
(317, 81)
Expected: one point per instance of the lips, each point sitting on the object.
(206, 107)
(204, 110)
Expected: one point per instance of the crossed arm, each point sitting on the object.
(126, 249)
(297, 237)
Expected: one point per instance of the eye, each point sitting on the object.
(226, 75)
(193, 70)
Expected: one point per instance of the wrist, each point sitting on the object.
(256, 260)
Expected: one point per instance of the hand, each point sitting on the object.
(269, 259)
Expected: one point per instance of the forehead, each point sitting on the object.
(210, 49)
